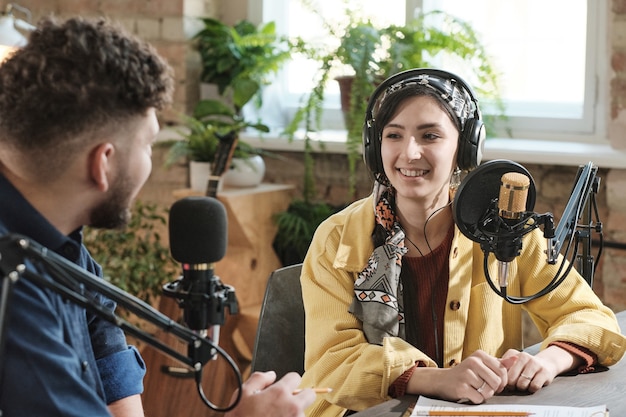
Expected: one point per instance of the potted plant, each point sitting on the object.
(200, 143)
(368, 54)
(296, 227)
(239, 60)
(197, 147)
(215, 120)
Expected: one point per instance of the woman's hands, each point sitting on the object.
(476, 379)
(262, 397)
(481, 376)
(531, 373)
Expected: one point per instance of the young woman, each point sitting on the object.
(396, 298)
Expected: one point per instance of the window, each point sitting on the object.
(547, 54)
(550, 53)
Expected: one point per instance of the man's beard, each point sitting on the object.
(114, 213)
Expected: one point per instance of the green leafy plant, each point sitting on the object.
(296, 227)
(368, 54)
(135, 259)
(239, 60)
(200, 142)
(362, 55)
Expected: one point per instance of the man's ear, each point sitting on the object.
(100, 165)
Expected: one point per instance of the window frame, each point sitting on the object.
(588, 136)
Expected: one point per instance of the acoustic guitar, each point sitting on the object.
(223, 157)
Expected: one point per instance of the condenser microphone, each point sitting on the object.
(511, 209)
(493, 206)
(513, 195)
(198, 239)
(473, 206)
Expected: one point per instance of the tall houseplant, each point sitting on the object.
(239, 60)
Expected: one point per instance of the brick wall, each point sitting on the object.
(614, 265)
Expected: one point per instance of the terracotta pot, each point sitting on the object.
(345, 89)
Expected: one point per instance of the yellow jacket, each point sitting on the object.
(338, 355)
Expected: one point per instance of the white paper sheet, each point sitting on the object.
(424, 405)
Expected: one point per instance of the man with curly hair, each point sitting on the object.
(78, 118)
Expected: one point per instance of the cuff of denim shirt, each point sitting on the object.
(122, 374)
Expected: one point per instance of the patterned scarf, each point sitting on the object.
(378, 289)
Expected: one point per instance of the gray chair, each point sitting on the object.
(279, 344)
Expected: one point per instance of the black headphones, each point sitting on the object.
(471, 138)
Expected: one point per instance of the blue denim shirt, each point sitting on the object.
(59, 359)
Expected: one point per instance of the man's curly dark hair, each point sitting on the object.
(77, 77)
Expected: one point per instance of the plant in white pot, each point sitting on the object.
(200, 143)
(219, 119)
(239, 61)
(198, 147)
(247, 167)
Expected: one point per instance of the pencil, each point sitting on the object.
(485, 413)
(316, 390)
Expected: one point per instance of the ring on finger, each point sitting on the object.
(481, 387)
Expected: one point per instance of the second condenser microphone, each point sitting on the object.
(198, 239)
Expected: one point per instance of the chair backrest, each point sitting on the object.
(279, 344)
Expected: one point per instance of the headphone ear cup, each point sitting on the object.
(471, 144)
(371, 152)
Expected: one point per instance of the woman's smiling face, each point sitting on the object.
(418, 149)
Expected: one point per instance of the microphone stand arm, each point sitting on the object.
(70, 281)
(579, 201)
